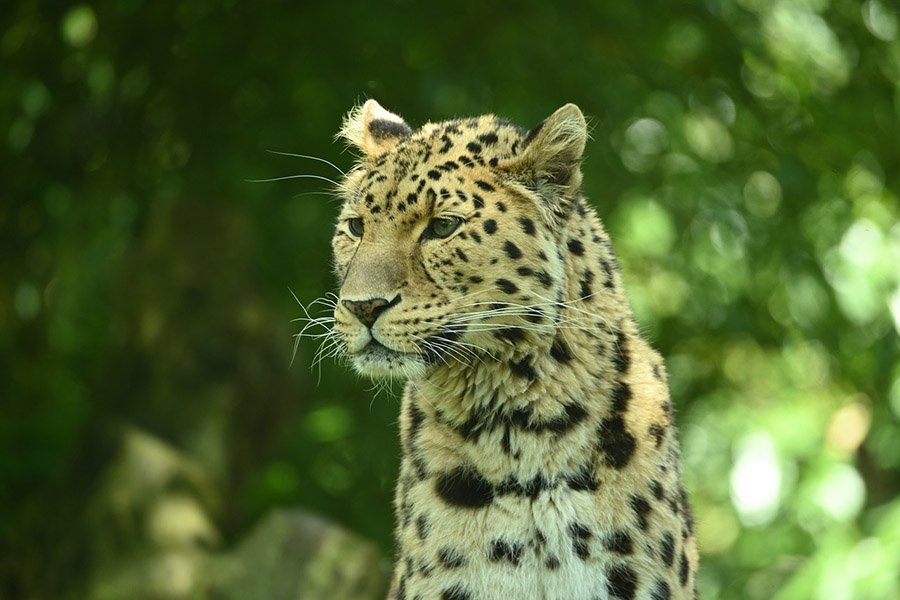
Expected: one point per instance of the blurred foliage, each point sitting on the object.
(745, 156)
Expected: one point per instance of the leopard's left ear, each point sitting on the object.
(552, 151)
(373, 129)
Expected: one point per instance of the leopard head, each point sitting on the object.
(447, 247)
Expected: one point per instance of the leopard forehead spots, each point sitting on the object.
(470, 263)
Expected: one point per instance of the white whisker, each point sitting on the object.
(321, 160)
(306, 176)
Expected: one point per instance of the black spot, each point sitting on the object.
(667, 408)
(448, 143)
(422, 527)
(421, 468)
(475, 279)
(657, 432)
(505, 442)
(621, 396)
(488, 138)
(560, 352)
(621, 359)
(507, 286)
(473, 147)
(575, 247)
(425, 569)
(502, 550)
(501, 207)
(490, 226)
(510, 334)
(512, 250)
(683, 570)
(583, 480)
(552, 563)
(622, 582)
(457, 592)
(475, 237)
(544, 278)
(661, 591)
(484, 185)
(416, 419)
(618, 542)
(688, 513)
(382, 128)
(641, 509)
(529, 489)
(465, 487)
(607, 268)
(585, 283)
(523, 368)
(524, 271)
(462, 255)
(434, 174)
(527, 225)
(616, 442)
(478, 201)
(405, 509)
(657, 489)
(450, 558)
(580, 537)
(573, 413)
(667, 548)
(401, 588)
(657, 373)
(673, 506)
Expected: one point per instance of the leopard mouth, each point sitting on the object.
(377, 360)
(375, 349)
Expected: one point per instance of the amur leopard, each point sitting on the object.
(539, 453)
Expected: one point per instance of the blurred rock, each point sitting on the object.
(293, 555)
(154, 538)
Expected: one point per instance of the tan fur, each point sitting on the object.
(539, 452)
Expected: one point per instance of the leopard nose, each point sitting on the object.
(368, 311)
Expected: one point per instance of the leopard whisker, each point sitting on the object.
(286, 177)
(568, 304)
(307, 156)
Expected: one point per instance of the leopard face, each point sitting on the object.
(445, 247)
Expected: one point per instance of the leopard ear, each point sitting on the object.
(552, 151)
(373, 129)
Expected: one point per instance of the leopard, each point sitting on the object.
(539, 454)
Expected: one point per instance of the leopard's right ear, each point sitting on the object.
(373, 129)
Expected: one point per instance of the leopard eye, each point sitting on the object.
(355, 225)
(441, 227)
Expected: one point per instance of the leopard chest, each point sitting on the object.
(525, 542)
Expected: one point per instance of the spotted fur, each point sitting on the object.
(540, 459)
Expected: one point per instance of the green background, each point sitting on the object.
(745, 155)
